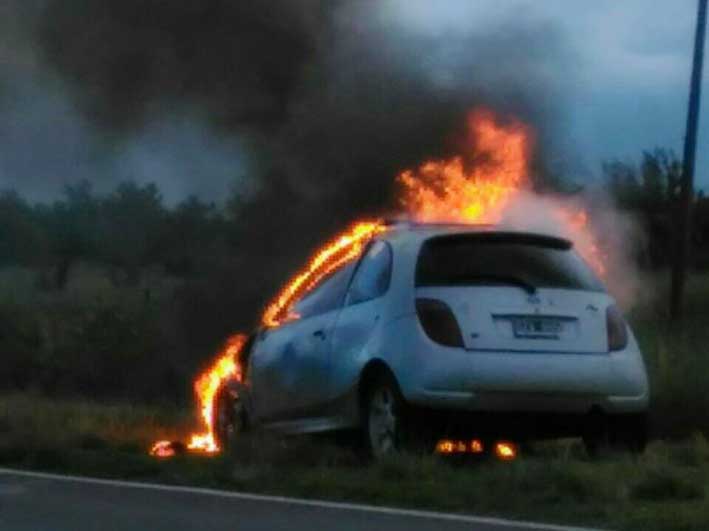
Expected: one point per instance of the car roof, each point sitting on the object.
(408, 231)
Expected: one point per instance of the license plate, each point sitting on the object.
(537, 327)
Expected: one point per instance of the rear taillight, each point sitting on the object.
(617, 329)
(438, 322)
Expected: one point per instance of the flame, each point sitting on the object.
(485, 189)
(506, 451)
(445, 190)
(206, 387)
(344, 248)
(476, 446)
(448, 446)
(163, 449)
(578, 230)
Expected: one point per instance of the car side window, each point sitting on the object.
(328, 295)
(373, 275)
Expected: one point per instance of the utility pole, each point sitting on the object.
(684, 212)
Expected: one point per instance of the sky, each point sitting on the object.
(629, 84)
(624, 81)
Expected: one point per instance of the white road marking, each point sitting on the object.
(297, 501)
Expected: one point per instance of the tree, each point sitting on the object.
(650, 191)
(22, 238)
(132, 222)
(193, 233)
(72, 225)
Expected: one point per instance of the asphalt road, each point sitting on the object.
(44, 502)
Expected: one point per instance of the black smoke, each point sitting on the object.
(307, 109)
(335, 94)
(128, 59)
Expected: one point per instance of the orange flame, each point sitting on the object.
(506, 451)
(445, 190)
(484, 192)
(578, 230)
(207, 386)
(344, 248)
(163, 449)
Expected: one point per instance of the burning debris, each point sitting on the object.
(165, 449)
(502, 450)
(490, 184)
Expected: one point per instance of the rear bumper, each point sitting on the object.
(537, 402)
(444, 378)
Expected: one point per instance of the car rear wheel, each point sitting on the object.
(383, 418)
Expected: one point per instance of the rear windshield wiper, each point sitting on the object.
(499, 279)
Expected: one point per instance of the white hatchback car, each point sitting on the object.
(453, 331)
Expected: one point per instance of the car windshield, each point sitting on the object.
(525, 261)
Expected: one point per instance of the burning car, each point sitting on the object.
(475, 320)
(463, 332)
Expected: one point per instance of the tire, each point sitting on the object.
(229, 420)
(383, 418)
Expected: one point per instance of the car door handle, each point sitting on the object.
(319, 333)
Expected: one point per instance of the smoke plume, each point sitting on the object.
(607, 234)
(308, 109)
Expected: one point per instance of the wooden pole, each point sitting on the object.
(684, 211)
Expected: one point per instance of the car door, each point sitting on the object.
(290, 369)
(360, 316)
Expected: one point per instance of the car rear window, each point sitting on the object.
(528, 261)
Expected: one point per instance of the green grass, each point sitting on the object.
(39, 431)
(665, 489)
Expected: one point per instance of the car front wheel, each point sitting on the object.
(229, 420)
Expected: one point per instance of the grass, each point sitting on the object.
(36, 431)
(677, 358)
(665, 489)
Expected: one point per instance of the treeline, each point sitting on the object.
(650, 191)
(119, 295)
(127, 230)
(131, 228)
